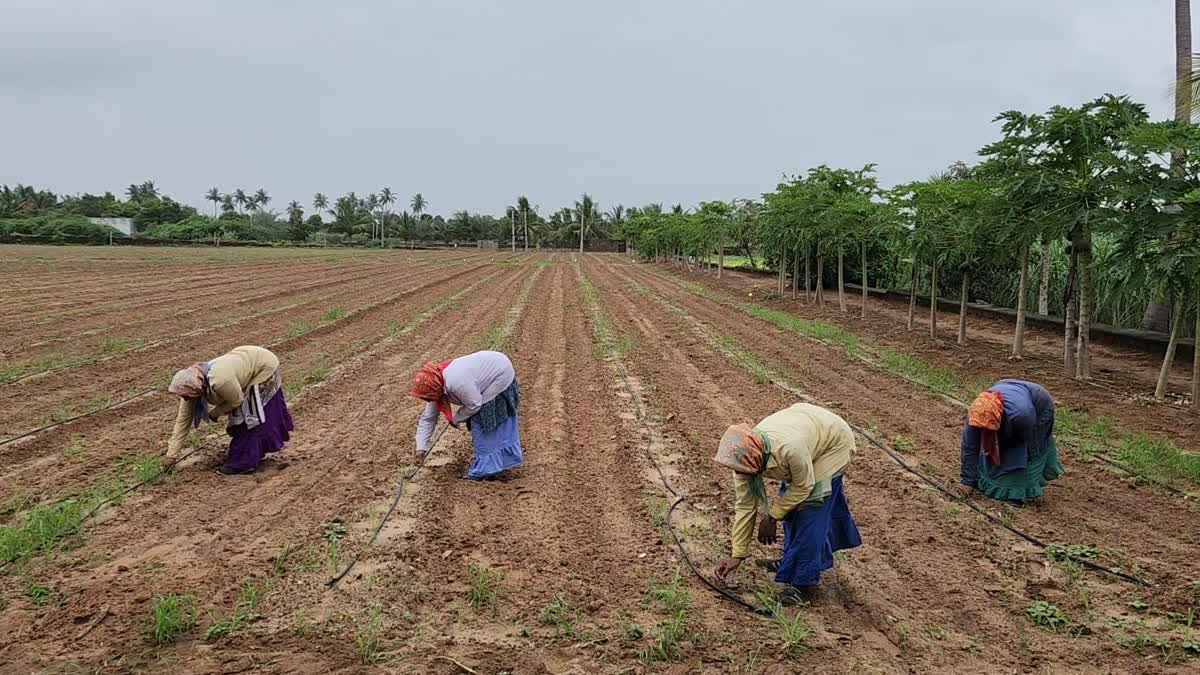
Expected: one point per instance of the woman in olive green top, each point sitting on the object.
(807, 448)
(244, 384)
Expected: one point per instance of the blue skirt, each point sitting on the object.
(812, 534)
(495, 436)
(247, 447)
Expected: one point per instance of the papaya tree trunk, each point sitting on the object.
(795, 272)
(1164, 373)
(1196, 362)
(841, 280)
(1044, 289)
(820, 279)
(1069, 328)
(782, 267)
(807, 275)
(933, 301)
(1022, 291)
(1083, 361)
(912, 294)
(864, 279)
(962, 309)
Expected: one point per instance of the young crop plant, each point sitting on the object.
(481, 594)
(563, 616)
(1048, 616)
(172, 616)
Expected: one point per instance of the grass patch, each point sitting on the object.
(1159, 459)
(563, 616)
(938, 378)
(664, 641)
(367, 640)
(299, 328)
(493, 340)
(112, 345)
(1047, 615)
(902, 443)
(244, 612)
(281, 563)
(73, 448)
(39, 595)
(55, 525)
(333, 314)
(481, 594)
(172, 616)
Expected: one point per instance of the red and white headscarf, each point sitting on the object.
(430, 385)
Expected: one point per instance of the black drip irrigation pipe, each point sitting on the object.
(54, 425)
(679, 499)
(122, 493)
(971, 505)
(333, 581)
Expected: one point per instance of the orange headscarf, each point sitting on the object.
(985, 413)
(741, 449)
(430, 385)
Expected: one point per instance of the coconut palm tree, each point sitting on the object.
(386, 199)
(260, 199)
(240, 198)
(524, 208)
(418, 205)
(585, 211)
(295, 211)
(320, 202)
(214, 196)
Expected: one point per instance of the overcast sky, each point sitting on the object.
(473, 103)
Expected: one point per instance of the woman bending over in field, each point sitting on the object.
(807, 448)
(484, 385)
(246, 385)
(1008, 449)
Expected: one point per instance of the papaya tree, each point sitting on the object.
(1076, 153)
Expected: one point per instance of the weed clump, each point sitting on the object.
(172, 616)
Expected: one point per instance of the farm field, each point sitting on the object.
(629, 373)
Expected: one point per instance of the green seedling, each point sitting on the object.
(367, 640)
(481, 594)
(172, 616)
(560, 614)
(1047, 615)
(39, 596)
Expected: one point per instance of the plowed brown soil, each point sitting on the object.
(625, 389)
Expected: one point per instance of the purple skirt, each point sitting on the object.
(248, 446)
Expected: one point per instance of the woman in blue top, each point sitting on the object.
(1008, 449)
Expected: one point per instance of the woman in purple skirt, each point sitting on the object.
(246, 385)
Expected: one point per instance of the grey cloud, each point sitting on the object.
(472, 103)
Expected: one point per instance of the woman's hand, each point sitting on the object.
(767, 530)
(727, 565)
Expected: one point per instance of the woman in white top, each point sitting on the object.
(484, 387)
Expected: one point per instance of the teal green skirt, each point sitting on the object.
(1028, 483)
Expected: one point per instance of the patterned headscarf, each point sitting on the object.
(986, 410)
(189, 383)
(745, 451)
(985, 413)
(430, 385)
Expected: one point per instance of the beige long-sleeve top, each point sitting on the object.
(810, 446)
(228, 376)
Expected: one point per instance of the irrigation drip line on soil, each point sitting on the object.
(900, 461)
(679, 499)
(54, 425)
(333, 581)
(896, 457)
(163, 469)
